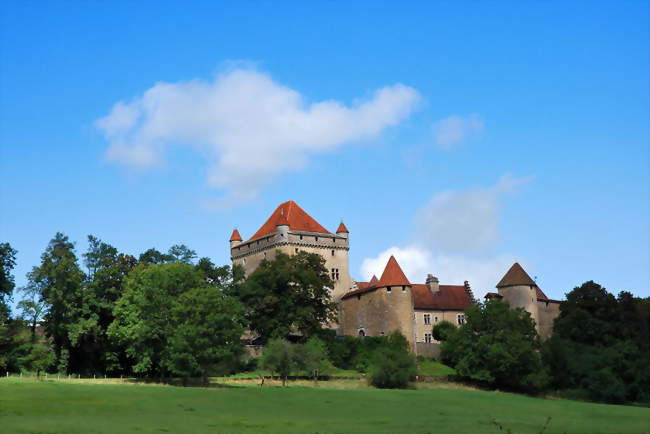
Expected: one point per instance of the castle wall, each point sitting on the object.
(333, 248)
(378, 313)
(420, 328)
(547, 312)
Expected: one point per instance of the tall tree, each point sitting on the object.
(144, 315)
(7, 264)
(290, 294)
(207, 333)
(60, 281)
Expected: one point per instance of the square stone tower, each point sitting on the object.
(291, 230)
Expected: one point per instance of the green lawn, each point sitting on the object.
(434, 368)
(29, 406)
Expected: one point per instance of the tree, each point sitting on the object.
(60, 282)
(207, 332)
(144, 314)
(442, 330)
(32, 308)
(290, 294)
(392, 366)
(600, 348)
(279, 357)
(181, 253)
(153, 256)
(496, 346)
(311, 357)
(7, 264)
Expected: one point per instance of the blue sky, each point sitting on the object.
(459, 136)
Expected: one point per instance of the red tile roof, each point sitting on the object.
(516, 276)
(374, 280)
(393, 274)
(449, 297)
(289, 213)
(342, 229)
(235, 236)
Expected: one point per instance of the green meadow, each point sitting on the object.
(31, 406)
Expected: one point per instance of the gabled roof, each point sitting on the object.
(235, 236)
(448, 297)
(393, 274)
(289, 213)
(342, 229)
(516, 276)
(374, 280)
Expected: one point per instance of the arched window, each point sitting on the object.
(362, 333)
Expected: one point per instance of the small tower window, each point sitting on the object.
(334, 273)
(297, 250)
(301, 237)
(362, 333)
(332, 252)
(403, 288)
(388, 289)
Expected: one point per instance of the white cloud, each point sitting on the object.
(251, 128)
(463, 220)
(454, 130)
(482, 272)
(453, 238)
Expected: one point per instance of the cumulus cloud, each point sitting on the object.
(482, 272)
(463, 220)
(250, 127)
(454, 130)
(453, 238)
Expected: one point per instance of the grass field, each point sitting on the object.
(30, 406)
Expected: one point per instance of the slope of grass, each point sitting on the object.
(30, 406)
(434, 368)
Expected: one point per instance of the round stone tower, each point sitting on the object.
(519, 290)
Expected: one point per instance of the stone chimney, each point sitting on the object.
(433, 283)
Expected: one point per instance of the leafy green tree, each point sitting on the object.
(181, 253)
(496, 346)
(144, 314)
(153, 256)
(600, 348)
(31, 307)
(442, 330)
(60, 282)
(7, 264)
(392, 366)
(279, 357)
(311, 357)
(207, 332)
(289, 294)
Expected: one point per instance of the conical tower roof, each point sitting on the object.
(393, 274)
(289, 213)
(516, 276)
(373, 281)
(342, 229)
(235, 236)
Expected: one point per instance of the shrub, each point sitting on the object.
(393, 366)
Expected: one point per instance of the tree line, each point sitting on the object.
(599, 350)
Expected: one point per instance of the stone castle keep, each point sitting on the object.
(390, 302)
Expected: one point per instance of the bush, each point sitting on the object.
(393, 366)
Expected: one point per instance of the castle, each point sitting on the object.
(390, 302)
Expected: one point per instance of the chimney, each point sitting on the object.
(433, 283)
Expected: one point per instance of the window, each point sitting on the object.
(316, 238)
(381, 333)
(428, 338)
(332, 252)
(334, 274)
(264, 255)
(362, 333)
(388, 289)
(297, 250)
(403, 288)
(244, 261)
(301, 237)
(427, 318)
(435, 319)
(461, 318)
